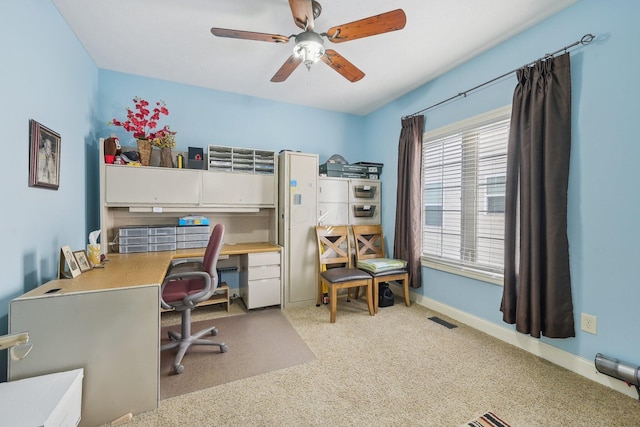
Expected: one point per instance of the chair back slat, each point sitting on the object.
(369, 241)
(334, 247)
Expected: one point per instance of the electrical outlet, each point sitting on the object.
(589, 323)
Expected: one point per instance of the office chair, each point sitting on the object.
(185, 285)
(370, 256)
(335, 269)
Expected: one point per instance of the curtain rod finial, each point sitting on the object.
(587, 38)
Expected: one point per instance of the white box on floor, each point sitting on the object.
(43, 401)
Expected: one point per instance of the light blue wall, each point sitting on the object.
(204, 116)
(603, 202)
(46, 75)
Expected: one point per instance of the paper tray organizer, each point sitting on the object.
(367, 211)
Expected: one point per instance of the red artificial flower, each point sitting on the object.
(140, 124)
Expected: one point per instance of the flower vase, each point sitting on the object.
(166, 161)
(144, 148)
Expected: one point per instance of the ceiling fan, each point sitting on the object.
(309, 46)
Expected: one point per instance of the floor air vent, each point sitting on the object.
(443, 322)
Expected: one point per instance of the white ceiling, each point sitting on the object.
(171, 40)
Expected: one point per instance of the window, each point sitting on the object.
(464, 180)
(433, 204)
(495, 189)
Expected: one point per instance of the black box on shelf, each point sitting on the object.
(196, 158)
(341, 170)
(373, 169)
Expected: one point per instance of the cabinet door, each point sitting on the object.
(333, 190)
(299, 210)
(219, 188)
(261, 293)
(333, 213)
(128, 185)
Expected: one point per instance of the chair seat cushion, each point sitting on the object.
(176, 290)
(380, 265)
(386, 273)
(342, 274)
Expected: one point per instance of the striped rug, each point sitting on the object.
(488, 419)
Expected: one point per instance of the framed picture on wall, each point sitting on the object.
(44, 156)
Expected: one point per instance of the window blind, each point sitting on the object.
(464, 171)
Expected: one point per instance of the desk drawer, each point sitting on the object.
(261, 293)
(263, 272)
(264, 258)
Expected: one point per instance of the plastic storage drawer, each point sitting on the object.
(158, 247)
(162, 239)
(139, 240)
(162, 231)
(133, 231)
(192, 245)
(194, 229)
(192, 237)
(128, 249)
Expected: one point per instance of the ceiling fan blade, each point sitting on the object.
(249, 35)
(302, 11)
(378, 24)
(287, 68)
(338, 62)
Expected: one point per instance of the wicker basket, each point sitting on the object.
(144, 148)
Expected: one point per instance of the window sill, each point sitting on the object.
(496, 279)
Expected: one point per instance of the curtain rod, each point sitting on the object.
(585, 40)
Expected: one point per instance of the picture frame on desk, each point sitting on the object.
(67, 259)
(44, 156)
(83, 260)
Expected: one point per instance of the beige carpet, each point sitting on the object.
(258, 342)
(397, 368)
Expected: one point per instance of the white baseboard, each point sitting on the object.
(567, 360)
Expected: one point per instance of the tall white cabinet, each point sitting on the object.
(297, 207)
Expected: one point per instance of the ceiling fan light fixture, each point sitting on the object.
(309, 47)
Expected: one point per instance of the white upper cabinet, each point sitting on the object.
(246, 189)
(333, 190)
(150, 186)
(129, 185)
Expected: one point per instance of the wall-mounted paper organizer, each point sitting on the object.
(248, 160)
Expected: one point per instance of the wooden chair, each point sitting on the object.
(335, 269)
(369, 244)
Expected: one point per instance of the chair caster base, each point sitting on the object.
(223, 348)
(178, 369)
(214, 332)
